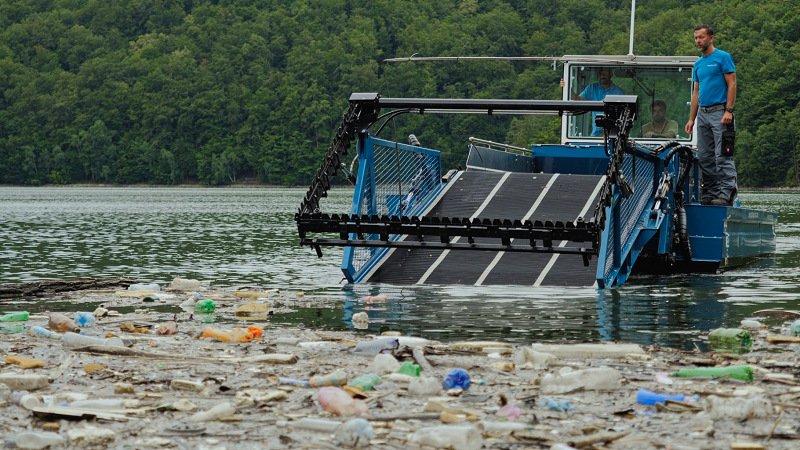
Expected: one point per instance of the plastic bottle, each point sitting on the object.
(74, 340)
(424, 386)
(84, 319)
(185, 284)
(383, 364)
(794, 329)
(556, 405)
(5, 393)
(366, 382)
(744, 373)
(24, 381)
(752, 324)
(646, 397)
(325, 426)
(293, 382)
(409, 368)
(44, 332)
(20, 316)
(61, 323)
(215, 413)
(337, 378)
(377, 345)
(337, 401)
(354, 433)
(375, 299)
(12, 329)
(38, 441)
(144, 287)
(603, 379)
(29, 401)
(457, 378)
(730, 337)
(235, 335)
(109, 404)
(458, 438)
(206, 306)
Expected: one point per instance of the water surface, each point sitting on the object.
(240, 237)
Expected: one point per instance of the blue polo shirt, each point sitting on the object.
(710, 72)
(595, 92)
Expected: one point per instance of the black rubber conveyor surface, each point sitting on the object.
(500, 195)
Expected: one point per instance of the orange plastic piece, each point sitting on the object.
(235, 335)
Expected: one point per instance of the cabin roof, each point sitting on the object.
(634, 60)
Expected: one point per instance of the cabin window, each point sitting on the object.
(669, 88)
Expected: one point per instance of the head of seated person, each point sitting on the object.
(660, 127)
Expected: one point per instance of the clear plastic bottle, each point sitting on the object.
(44, 332)
(144, 287)
(325, 426)
(61, 323)
(38, 440)
(74, 340)
(215, 413)
(84, 319)
(377, 345)
(354, 433)
(185, 284)
(337, 378)
(459, 437)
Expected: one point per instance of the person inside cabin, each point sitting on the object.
(660, 127)
(597, 91)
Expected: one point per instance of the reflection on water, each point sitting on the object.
(235, 237)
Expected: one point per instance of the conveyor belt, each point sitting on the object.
(554, 197)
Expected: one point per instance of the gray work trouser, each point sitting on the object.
(719, 172)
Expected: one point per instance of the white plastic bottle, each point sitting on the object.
(74, 340)
(38, 441)
(457, 438)
(325, 426)
(217, 412)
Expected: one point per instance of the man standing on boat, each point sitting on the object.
(598, 91)
(714, 77)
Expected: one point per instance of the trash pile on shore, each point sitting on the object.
(218, 376)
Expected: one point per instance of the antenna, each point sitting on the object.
(633, 16)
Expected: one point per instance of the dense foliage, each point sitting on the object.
(167, 91)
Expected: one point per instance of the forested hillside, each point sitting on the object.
(169, 91)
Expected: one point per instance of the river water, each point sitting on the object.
(247, 237)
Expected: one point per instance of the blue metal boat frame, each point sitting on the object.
(648, 218)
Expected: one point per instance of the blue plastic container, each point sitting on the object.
(457, 378)
(646, 397)
(84, 319)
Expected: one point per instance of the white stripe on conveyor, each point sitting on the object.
(424, 213)
(554, 258)
(527, 216)
(480, 210)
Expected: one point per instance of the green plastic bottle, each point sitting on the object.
(21, 316)
(730, 337)
(366, 382)
(409, 368)
(12, 329)
(744, 373)
(205, 307)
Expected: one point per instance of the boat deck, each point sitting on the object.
(524, 196)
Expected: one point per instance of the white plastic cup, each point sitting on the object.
(74, 340)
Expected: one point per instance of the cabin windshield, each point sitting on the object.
(665, 95)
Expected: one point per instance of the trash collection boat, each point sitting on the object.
(610, 200)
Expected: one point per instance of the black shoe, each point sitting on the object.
(707, 200)
(720, 202)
